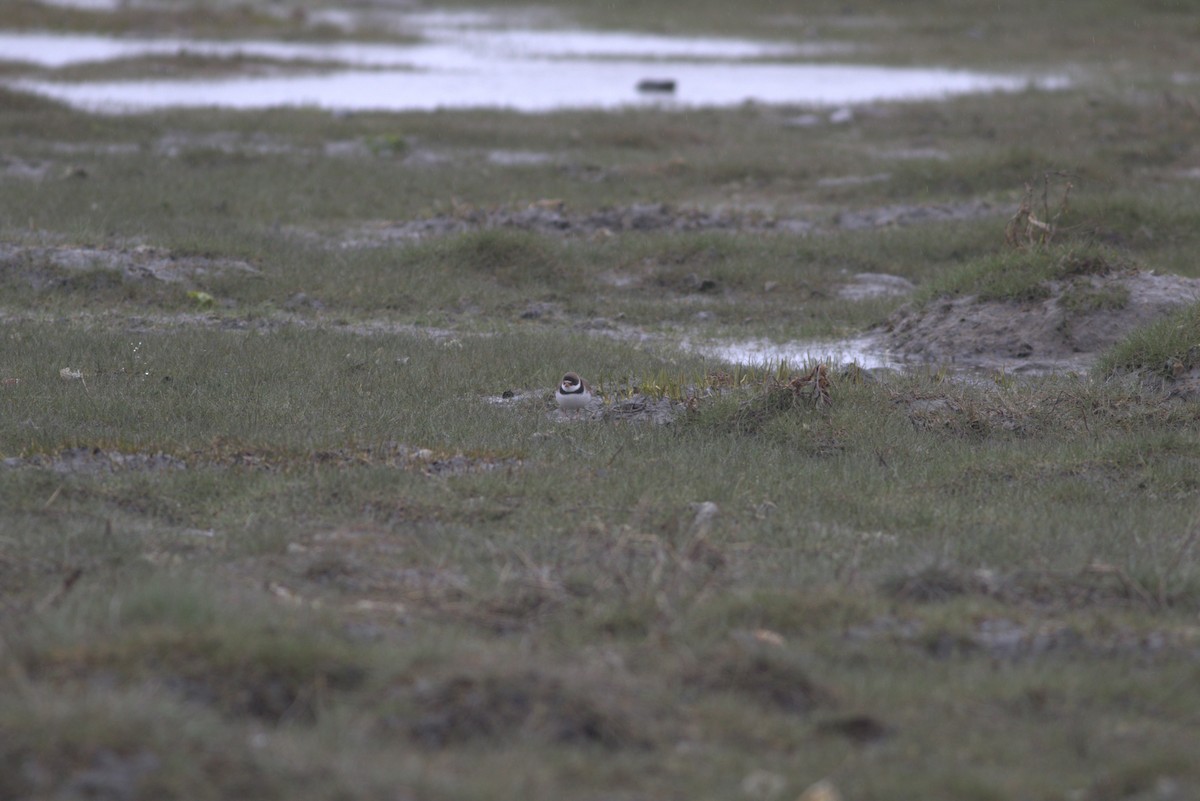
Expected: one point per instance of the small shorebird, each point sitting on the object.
(573, 393)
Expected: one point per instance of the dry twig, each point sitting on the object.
(815, 385)
(1025, 228)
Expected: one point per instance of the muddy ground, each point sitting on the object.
(1066, 331)
(553, 217)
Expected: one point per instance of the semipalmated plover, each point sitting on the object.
(573, 393)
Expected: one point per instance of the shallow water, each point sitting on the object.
(530, 87)
(867, 352)
(456, 65)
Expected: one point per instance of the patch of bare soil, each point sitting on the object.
(1007, 639)
(553, 217)
(1097, 586)
(466, 708)
(89, 461)
(14, 167)
(907, 214)
(44, 267)
(1067, 330)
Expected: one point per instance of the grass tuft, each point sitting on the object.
(1169, 347)
(1024, 275)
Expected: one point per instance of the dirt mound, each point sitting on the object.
(1066, 330)
(46, 266)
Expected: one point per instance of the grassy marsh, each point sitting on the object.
(294, 542)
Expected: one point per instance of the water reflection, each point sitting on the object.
(867, 352)
(464, 67)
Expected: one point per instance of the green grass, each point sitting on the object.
(1026, 275)
(380, 606)
(1162, 347)
(284, 544)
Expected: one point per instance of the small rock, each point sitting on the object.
(656, 86)
(841, 116)
(706, 513)
(821, 791)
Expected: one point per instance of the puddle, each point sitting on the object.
(867, 352)
(875, 285)
(457, 66)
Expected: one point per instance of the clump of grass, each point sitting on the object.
(1024, 275)
(178, 633)
(465, 708)
(1084, 298)
(766, 675)
(510, 257)
(125, 743)
(388, 144)
(929, 584)
(778, 398)
(1166, 347)
(15, 101)
(682, 386)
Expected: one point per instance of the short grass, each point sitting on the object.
(1167, 346)
(1027, 274)
(914, 529)
(287, 539)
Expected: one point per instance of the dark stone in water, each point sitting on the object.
(656, 86)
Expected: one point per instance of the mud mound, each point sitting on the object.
(45, 266)
(1078, 319)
